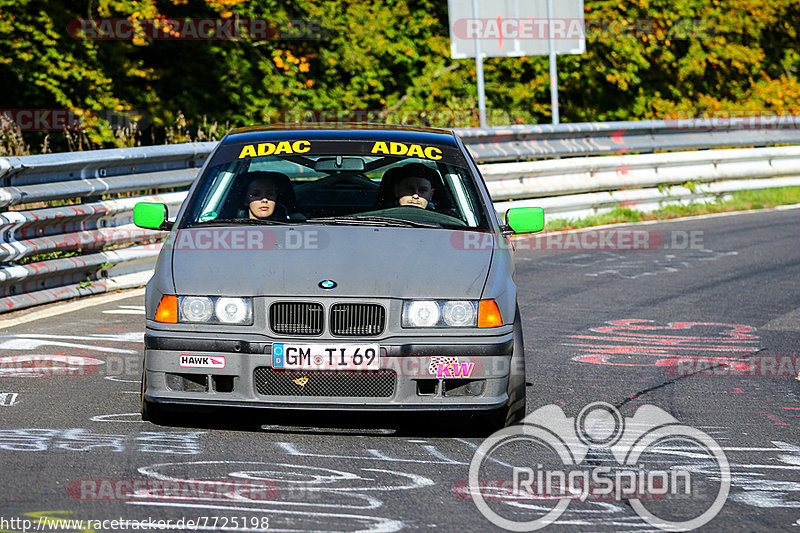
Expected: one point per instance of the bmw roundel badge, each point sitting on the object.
(327, 284)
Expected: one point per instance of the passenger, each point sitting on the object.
(264, 199)
(412, 184)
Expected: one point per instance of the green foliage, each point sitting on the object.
(87, 283)
(58, 254)
(697, 58)
(691, 185)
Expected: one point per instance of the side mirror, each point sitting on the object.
(149, 215)
(525, 219)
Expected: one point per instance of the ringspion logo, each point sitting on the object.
(552, 461)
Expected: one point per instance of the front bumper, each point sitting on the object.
(416, 384)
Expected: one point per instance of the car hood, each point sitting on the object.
(362, 261)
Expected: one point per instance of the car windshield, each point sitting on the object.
(343, 183)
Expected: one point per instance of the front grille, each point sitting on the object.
(375, 384)
(357, 319)
(296, 318)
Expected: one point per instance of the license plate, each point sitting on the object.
(326, 356)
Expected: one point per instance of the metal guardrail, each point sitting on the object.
(44, 178)
(560, 186)
(582, 205)
(99, 249)
(517, 143)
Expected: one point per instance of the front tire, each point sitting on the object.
(151, 411)
(514, 410)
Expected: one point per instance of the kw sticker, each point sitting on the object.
(410, 150)
(283, 147)
(202, 361)
(301, 381)
(454, 371)
(437, 361)
(449, 367)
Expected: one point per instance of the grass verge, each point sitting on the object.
(739, 201)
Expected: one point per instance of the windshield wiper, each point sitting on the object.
(244, 221)
(372, 221)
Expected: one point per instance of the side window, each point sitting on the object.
(465, 204)
(212, 192)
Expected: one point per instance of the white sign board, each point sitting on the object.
(515, 28)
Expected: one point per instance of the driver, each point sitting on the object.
(263, 199)
(412, 184)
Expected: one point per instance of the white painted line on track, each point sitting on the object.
(660, 221)
(60, 309)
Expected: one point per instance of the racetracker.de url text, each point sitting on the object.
(52, 522)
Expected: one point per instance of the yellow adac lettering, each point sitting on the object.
(301, 147)
(398, 148)
(380, 148)
(430, 151)
(266, 148)
(415, 150)
(247, 151)
(284, 147)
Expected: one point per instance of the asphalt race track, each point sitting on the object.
(701, 319)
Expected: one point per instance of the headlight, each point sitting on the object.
(459, 314)
(232, 310)
(421, 314)
(440, 314)
(215, 310)
(196, 309)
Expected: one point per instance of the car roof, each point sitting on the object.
(354, 131)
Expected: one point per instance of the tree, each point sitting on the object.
(645, 59)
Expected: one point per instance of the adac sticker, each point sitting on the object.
(283, 147)
(409, 150)
(202, 361)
